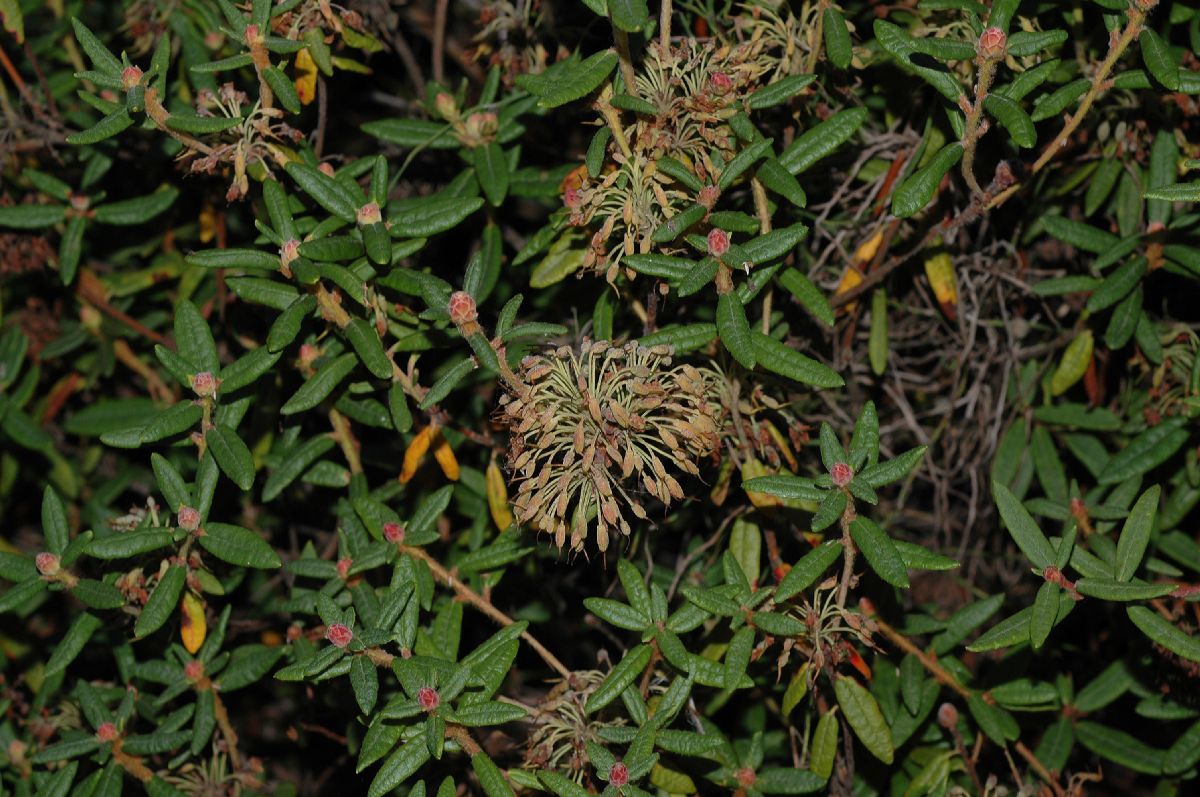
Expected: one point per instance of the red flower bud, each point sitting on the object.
(339, 635)
(130, 77)
(462, 308)
(193, 670)
(107, 732)
(189, 518)
(721, 83)
(343, 567)
(618, 775)
(745, 777)
(369, 214)
(393, 532)
(992, 44)
(841, 473)
(205, 384)
(48, 563)
(428, 698)
(718, 242)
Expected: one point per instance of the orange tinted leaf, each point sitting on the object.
(193, 626)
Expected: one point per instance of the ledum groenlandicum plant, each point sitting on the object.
(594, 398)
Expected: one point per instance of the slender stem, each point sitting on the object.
(622, 41)
(664, 25)
(131, 763)
(939, 673)
(973, 131)
(345, 439)
(1132, 30)
(849, 551)
(159, 115)
(231, 737)
(814, 43)
(482, 604)
(1040, 768)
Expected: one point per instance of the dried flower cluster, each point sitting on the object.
(593, 428)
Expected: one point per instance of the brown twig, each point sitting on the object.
(439, 40)
(939, 673)
(470, 596)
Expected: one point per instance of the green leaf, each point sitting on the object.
(778, 780)
(72, 643)
(569, 79)
(902, 47)
(865, 719)
(295, 463)
(1165, 633)
(994, 721)
(1045, 612)
(629, 15)
(622, 675)
(283, 87)
(786, 361)
(97, 594)
(811, 566)
(675, 226)
(562, 786)
(1145, 452)
(364, 680)
(421, 218)
(1025, 43)
(1051, 105)
(779, 92)
(232, 455)
(366, 343)
(238, 546)
(1025, 532)
(1013, 118)
(1179, 192)
(14, 21)
(877, 345)
(774, 177)
(837, 38)
(107, 127)
(892, 470)
(194, 339)
(447, 382)
(491, 167)
(816, 143)
(807, 294)
(325, 191)
(1078, 234)
(247, 369)
(879, 552)
(162, 602)
(1109, 590)
(411, 133)
(1156, 55)
(138, 210)
(1135, 534)
(1120, 747)
(1117, 285)
(743, 161)
(54, 522)
(101, 57)
(776, 243)
(918, 189)
(31, 217)
(123, 545)
(399, 767)
(320, 384)
(734, 329)
(250, 259)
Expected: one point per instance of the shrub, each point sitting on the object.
(766, 398)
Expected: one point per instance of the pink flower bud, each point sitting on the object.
(618, 774)
(572, 198)
(339, 635)
(721, 83)
(369, 214)
(189, 518)
(130, 77)
(107, 732)
(992, 44)
(308, 353)
(447, 108)
(252, 34)
(745, 777)
(462, 308)
(48, 563)
(708, 196)
(193, 670)
(205, 384)
(289, 251)
(343, 567)
(428, 698)
(325, 169)
(947, 716)
(841, 473)
(718, 242)
(393, 532)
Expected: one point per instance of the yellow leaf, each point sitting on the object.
(497, 497)
(850, 280)
(444, 455)
(782, 443)
(752, 469)
(193, 626)
(867, 249)
(306, 77)
(940, 270)
(671, 781)
(208, 223)
(1074, 363)
(415, 453)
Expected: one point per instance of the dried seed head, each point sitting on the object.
(48, 563)
(205, 384)
(841, 473)
(428, 698)
(107, 732)
(393, 532)
(339, 635)
(189, 518)
(718, 242)
(618, 774)
(992, 44)
(462, 308)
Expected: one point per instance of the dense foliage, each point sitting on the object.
(770, 397)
